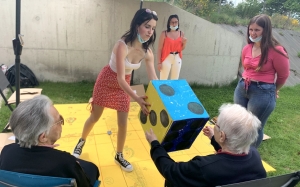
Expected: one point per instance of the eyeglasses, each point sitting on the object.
(60, 122)
(151, 12)
(218, 126)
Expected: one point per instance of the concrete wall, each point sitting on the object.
(71, 40)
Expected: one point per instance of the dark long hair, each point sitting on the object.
(267, 40)
(140, 17)
(168, 24)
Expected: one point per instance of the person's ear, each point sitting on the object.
(222, 137)
(42, 137)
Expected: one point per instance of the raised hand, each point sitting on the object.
(208, 131)
(150, 136)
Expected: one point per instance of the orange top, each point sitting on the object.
(171, 45)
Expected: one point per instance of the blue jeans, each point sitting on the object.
(260, 99)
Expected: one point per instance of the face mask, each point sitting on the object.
(173, 28)
(141, 39)
(256, 39)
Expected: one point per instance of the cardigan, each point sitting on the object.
(46, 161)
(205, 171)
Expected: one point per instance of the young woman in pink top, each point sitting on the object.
(170, 46)
(266, 68)
(112, 88)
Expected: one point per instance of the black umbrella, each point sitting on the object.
(18, 45)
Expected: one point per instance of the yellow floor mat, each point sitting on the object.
(100, 147)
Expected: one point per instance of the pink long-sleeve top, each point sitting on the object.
(276, 64)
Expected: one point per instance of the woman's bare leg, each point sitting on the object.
(90, 122)
(122, 130)
(88, 125)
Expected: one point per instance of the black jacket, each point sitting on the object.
(46, 161)
(211, 170)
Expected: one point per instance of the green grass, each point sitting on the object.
(60, 93)
(282, 151)
(63, 93)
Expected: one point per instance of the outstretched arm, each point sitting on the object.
(121, 52)
(149, 60)
(184, 40)
(159, 49)
(181, 173)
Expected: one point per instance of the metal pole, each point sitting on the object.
(18, 50)
(141, 4)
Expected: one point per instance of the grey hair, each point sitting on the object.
(240, 127)
(30, 119)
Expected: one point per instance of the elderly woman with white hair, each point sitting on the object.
(37, 125)
(235, 160)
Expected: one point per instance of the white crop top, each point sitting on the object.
(128, 66)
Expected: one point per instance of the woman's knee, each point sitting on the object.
(94, 118)
(96, 113)
(122, 118)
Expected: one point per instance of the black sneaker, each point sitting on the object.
(78, 149)
(125, 165)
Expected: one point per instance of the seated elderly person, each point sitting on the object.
(235, 161)
(37, 125)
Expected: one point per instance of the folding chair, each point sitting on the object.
(25, 93)
(14, 179)
(287, 180)
(3, 85)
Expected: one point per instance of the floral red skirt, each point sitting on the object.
(108, 93)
